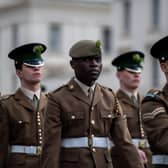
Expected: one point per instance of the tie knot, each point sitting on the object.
(35, 98)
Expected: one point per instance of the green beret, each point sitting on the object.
(160, 49)
(85, 48)
(131, 61)
(29, 54)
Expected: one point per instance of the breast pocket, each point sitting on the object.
(107, 117)
(21, 129)
(74, 122)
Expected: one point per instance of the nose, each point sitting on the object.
(36, 68)
(137, 74)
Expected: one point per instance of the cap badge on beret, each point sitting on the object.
(98, 45)
(137, 58)
(38, 49)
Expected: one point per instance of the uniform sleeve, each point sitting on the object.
(122, 139)
(4, 134)
(155, 119)
(52, 135)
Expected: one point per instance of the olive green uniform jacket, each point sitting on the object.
(155, 118)
(19, 125)
(134, 121)
(70, 115)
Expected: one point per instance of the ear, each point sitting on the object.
(72, 63)
(164, 66)
(118, 74)
(18, 72)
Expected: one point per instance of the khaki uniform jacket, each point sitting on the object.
(134, 122)
(19, 125)
(155, 118)
(70, 115)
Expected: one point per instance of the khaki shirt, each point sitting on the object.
(19, 125)
(70, 115)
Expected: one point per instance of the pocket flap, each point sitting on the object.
(107, 114)
(75, 115)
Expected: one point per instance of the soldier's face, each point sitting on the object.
(88, 69)
(164, 67)
(129, 80)
(30, 75)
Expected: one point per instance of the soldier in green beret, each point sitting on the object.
(155, 110)
(129, 66)
(83, 115)
(22, 113)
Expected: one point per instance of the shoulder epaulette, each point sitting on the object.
(105, 87)
(5, 97)
(59, 88)
(152, 95)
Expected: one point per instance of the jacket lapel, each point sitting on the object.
(43, 101)
(97, 94)
(126, 99)
(23, 100)
(77, 91)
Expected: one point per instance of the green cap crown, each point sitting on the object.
(132, 60)
(28, 53)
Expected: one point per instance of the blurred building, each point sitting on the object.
(122, 25)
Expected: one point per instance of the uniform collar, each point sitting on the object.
(30, 93)
(129, 94)
(83, 86)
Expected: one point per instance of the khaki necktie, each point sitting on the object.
(134, 100)
(35, 101)
(90, 93)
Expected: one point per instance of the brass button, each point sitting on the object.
(73, 117)
(92, 122)
(39, 130)
(71, 87)
(20, 122)
(93, 149)
(109, 115)
(92, 108)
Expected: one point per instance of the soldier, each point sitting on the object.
(129, 68)
(82, 114)
(22, 113)
(155, 110)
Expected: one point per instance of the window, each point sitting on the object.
(155, 14)
(55, 38)
(107, 39)
(126, 16)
